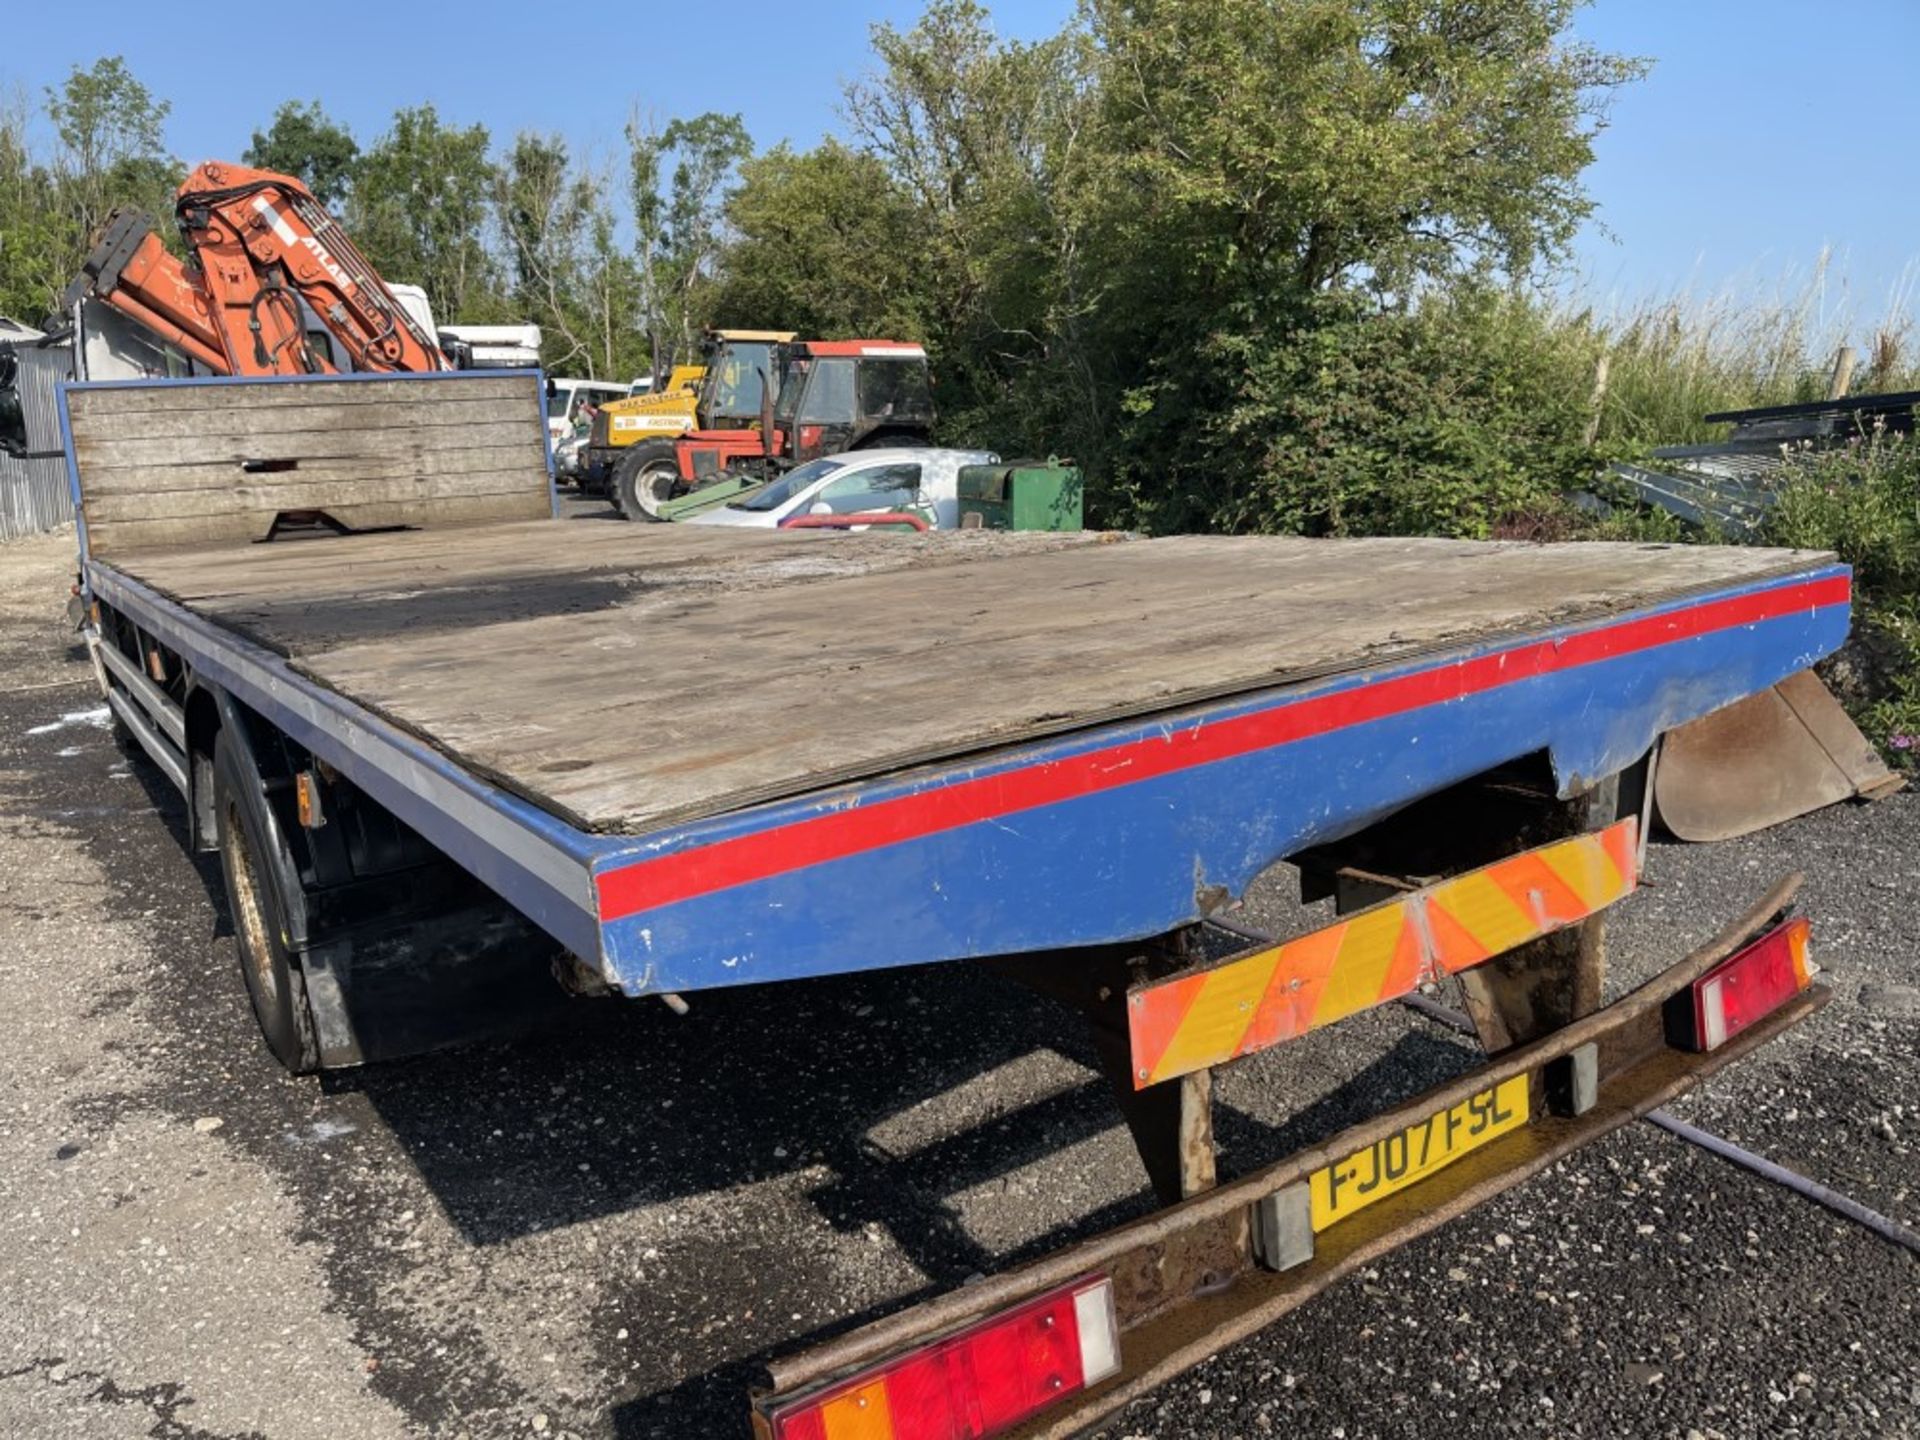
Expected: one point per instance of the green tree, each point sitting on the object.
(542, 207)
(679, 178)
(826, 243)
(991, 140)
(105, 116)
(611, 299)
(570, 274)
(1462, 416)
(304, 143)
(1173, 238)
(420, 207)
(1255, 155)
(110, 152)
(38, 239)
(113, 151)
(1385, 142)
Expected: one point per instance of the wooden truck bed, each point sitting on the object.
(700, 758)
(624, 676)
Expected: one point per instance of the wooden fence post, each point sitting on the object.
(1596, 402)
(1842, 379)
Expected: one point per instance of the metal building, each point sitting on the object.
(34, 495)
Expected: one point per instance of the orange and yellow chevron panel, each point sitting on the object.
(1188, 1022)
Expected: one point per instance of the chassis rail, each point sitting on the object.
(1190, 1280)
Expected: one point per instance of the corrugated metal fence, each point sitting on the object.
(33, 492)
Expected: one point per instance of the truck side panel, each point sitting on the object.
(1124, 832)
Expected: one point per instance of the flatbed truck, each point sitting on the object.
(452, 751)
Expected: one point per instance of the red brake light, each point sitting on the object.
(1751, 985)
(978, 1383)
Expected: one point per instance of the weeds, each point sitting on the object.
(1862, 501)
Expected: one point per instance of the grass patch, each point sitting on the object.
(1675, 359)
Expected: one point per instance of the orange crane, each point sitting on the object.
(259, 245)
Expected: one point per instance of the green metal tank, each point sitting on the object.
(1021, 495)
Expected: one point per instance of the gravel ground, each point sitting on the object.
(600, 1231)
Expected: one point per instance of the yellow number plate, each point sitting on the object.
(1348, 1186)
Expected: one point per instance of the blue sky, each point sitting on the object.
(1768, 130)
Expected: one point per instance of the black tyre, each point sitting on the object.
(896, 440)
(273, 979)
(647, 477)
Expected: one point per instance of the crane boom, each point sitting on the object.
(260, 245)
(130, 270)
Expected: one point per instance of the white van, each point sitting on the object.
(566, 397)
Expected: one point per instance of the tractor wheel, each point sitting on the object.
(895, 440)
(647, 477)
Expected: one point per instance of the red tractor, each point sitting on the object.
(834, 395)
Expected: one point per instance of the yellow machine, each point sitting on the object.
(666, 411)
(721, 394)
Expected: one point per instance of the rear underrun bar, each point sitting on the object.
(1885, 1226)
(1189, 1280)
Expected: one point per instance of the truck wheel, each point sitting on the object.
(273, 979)
(645, 480)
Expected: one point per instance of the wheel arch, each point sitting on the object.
(229, 725)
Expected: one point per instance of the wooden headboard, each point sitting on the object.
(185, 462)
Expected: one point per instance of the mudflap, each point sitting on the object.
(1782, 753)
(469, 970)
(401, 951)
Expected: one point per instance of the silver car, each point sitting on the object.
(915, 481)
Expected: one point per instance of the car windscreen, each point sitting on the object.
(878, 487)
(787, 486)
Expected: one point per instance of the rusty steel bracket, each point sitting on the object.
(1171, 1123)
(1221, 1265)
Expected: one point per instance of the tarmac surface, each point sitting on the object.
(600, 1231)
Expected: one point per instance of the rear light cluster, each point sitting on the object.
(1750, 985)
(978, 1383)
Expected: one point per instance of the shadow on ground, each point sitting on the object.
(627, 1106)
